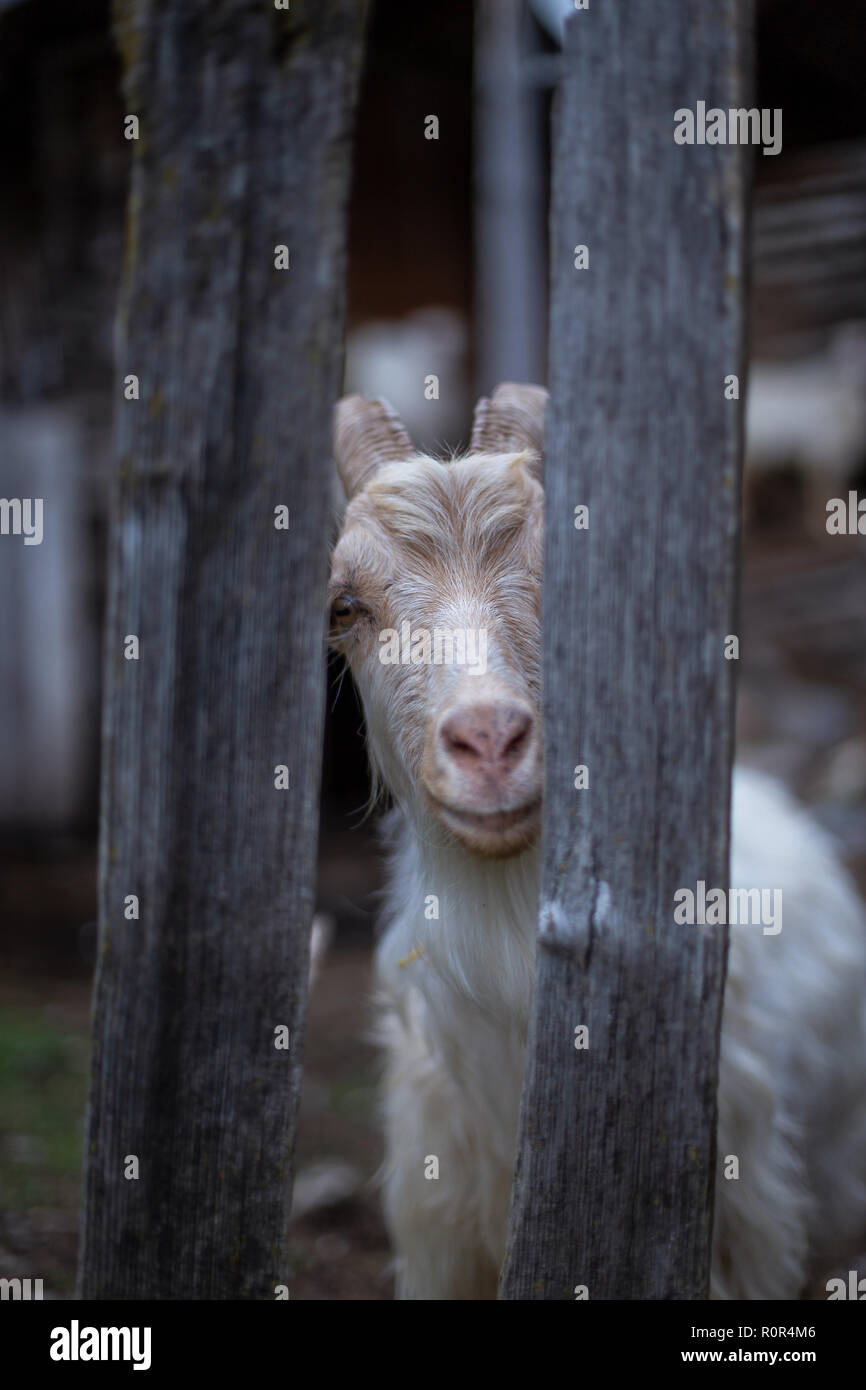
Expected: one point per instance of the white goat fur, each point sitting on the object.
(460, 544)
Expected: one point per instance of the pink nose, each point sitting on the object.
(487, 740)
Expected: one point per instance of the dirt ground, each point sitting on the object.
(337, 1242)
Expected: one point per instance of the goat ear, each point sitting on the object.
(510, 420)
(366, 435)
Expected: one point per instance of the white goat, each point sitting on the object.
(459, 546)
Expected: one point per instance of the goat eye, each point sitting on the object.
(344, 611)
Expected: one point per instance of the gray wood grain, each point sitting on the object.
(245, 113)
(509, 194)
(614, 1176)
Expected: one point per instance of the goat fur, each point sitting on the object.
(463, 541)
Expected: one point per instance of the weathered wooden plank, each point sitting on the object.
(614, 1176)
(244, 116)
(511, 309)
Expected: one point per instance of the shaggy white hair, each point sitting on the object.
(792, 1080)
(461, 542)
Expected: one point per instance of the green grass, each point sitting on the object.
(353, 1095)
(43, 1088)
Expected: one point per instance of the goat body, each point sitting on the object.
(792, 1079)
(459, 544)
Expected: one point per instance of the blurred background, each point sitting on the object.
(447, 277)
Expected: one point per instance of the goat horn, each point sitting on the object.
(366, 435)
(510, 420)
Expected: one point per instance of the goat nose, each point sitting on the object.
(487, 737)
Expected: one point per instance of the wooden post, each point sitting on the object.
(613, 1192)
(206, 860)
(511, 311)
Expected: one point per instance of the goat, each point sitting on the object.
(458, 545)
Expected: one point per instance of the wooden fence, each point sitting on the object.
(229, 365)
